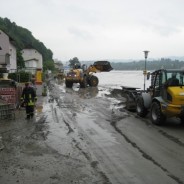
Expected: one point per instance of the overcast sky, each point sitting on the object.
(102, 29)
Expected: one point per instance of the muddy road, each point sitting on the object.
(87, 136)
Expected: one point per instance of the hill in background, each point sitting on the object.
(24, 39)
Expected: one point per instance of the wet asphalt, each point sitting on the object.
(88, 136)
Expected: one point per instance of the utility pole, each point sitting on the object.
(145, 70)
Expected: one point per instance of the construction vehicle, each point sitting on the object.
(163, 99)
(84, 75)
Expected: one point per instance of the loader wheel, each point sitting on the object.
(130, 103)
(83, 84)
(140, 108)
(157, 117)
(182, 117)
(93, 81)
(68, 84)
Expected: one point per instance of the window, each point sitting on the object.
(174, 78)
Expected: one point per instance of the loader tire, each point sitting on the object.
(182, 120)
(68, 84)
(157, 117)
(93, 81)
(83, 84)
(140, 108)
(130, 103)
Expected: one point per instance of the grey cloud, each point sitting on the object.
(80, 33)
(166, 30)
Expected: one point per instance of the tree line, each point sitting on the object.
(150, 65)
(163, 63)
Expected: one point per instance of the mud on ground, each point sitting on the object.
(29, 156)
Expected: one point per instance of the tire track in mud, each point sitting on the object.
(70, 130)
(55, 115)
(144, 154)
(162, 132)
(94, 164)
(40, 129)
(172, 138)
(113, 123)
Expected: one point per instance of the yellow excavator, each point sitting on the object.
(84, 75)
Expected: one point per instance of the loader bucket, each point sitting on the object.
(103, 66)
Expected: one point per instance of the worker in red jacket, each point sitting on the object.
(29, 98)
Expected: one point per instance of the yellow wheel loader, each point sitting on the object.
(84, 75)
(163, 99)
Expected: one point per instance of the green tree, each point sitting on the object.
(49, 65)
(73, 62)
(20, 60)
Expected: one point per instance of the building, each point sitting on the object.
(8, 54)
(33, 59)
(8, 60)
(34, 64)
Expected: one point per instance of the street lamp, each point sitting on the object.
(145, 72)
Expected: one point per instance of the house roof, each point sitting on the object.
(12, 41)
(31, 48)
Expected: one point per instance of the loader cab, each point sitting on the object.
(84, 67)
(157, 78)
(163, 79)
(77, 66)
(174, 78)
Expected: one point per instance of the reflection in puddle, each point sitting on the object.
(39, 108)
(89, 92)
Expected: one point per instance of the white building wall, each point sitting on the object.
(4, 44)
(8, 53)
(31, 64)
(13, 58)
(30, 54)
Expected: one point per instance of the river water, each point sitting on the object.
(118, 78)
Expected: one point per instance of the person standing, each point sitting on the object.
(29, 98)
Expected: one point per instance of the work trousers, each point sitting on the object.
(30, 111)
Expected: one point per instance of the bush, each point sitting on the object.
(20, 76)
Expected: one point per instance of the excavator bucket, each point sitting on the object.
(103, 66)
